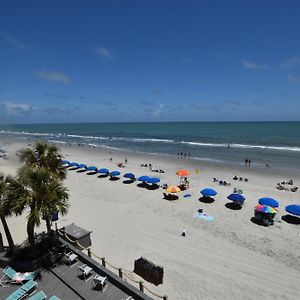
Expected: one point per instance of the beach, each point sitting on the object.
(227, 258)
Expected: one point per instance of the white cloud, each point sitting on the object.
(253, 66)
(15, 42)
(294, 78)
(104, 52)
(290, 63)
(53, 76)
(232, 105)
(16, 108)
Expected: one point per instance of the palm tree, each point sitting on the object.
(44, 155)
(5, 210)
(41, 192)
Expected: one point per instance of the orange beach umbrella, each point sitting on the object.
(173, 189)
(183, 173)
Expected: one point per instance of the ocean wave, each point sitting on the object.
(141, 140)
(66, 137)
(244, 146)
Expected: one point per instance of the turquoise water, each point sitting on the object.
(277, 143)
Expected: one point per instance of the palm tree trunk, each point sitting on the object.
(48, 225)
(1, 243)
(30, 233)
(7, 233)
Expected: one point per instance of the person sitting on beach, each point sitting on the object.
(220, 182)
(290, 182)
(215, 179)
(235, 178)
(246, 179)
(279, 187)
(294, 189)
(241, 179)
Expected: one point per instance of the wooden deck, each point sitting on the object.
(63, 281)
(57, 277)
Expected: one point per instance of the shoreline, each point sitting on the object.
(227, 258)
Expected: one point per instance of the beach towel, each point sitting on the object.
(204, 216)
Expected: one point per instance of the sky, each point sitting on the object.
(149, 60)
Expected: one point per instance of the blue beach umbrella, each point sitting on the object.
(153, 180)
(92, 168)
(208, 192)
(103, 171)
(73, 164)
(268, 201)
(143, 178)
(236, 198)
(293, 209)
(129, 175)
(114, 173)
(82, 166)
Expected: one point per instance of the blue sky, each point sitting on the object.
(158, 60)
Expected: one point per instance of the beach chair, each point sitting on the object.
(100, 282)
(11, 276)
(54, 298)
(71, 258)
(84, 271)
(38, 296)
(22, 292)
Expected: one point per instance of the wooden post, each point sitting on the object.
(120, 273)
(89, 252)
(103, 262)
(141, 286)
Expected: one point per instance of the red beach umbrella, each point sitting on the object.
(183, 173)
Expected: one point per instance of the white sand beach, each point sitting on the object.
(227, 258)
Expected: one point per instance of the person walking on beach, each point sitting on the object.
(126, 160)
(249, 162)
(246, 161)
(183, 232)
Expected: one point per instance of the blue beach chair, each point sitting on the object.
(11, 276)
(22, 292)
(38, 296)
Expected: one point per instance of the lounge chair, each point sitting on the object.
(84, 271)
(25, 290)
(71, 258)
(100, 281)
(38, 296)
(11, 276)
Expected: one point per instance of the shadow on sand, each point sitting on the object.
(102, 175)
(206, 200)
(233, 206)
(291, 219)
(128, 181)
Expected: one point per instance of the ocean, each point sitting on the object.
(274, 143)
